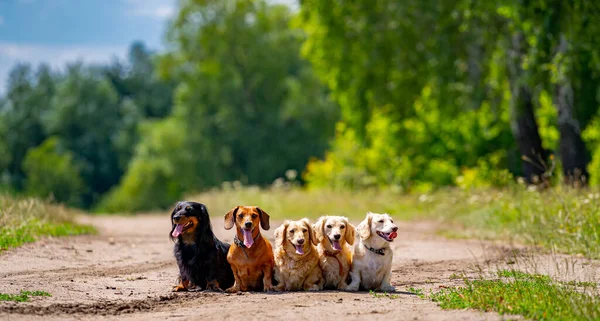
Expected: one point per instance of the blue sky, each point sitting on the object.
(60, 31)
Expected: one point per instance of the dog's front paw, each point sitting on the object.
(233, 289)
(213, 286)
(352, 287)
(268, 288)
(179, 288)
(182, 286)
(387, 288)
(313, 288)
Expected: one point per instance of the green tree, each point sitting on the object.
(86, 116)
(21, 113)
(247, 106)
(51, 171)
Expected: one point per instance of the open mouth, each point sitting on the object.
(248, 239)
(299, 249)
(179, 228)
(388, 236)
(336, 245)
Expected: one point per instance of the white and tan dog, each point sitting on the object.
(372, 257)
(296, 258)
(336, 237)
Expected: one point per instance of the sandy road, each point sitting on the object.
(126, 272)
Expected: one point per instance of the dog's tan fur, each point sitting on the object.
(295, 271)
(252, 267)
(330, 260)
(371, 271)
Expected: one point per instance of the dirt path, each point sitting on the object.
(126, 273)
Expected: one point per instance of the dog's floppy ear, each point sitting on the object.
(230, 218)
(264, 219)
(364, 228)
(318, 228)
(280, 233)
(173, 224)
(349, 237)
(311, 232)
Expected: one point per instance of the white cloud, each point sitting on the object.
(159, 9)
(57, 56)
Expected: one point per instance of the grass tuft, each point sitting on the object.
(25, 220)
(383, 295)
(531, 295)
(24, 296)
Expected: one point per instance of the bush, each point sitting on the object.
(157, 174)
(53, 172)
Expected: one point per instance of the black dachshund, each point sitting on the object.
(201, 257)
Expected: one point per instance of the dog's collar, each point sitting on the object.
(241, 244)
(380, 251)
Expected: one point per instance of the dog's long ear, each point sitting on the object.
(280, 233)
(349, 237)
(173, 224)
(311, 232)
(318, 228)
(364, 228)
(264, 219)
(230, 218)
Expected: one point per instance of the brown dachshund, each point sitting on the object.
(251, 255)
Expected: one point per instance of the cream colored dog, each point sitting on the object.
(336, 237)
(296, 258)
(372, 257)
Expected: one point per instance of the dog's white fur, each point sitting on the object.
(371, 271)
(330, 259)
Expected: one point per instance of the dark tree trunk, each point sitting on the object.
(572, 148)
(523, 123)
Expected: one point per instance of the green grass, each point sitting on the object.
(294, 203)
(24, 296)
(561, 219)
(25, 220)
(417, 292)
(384, 295)
(533, 296)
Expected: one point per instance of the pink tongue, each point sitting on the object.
(248, 240)
(177, 230)
(393, 235)
(336, 246)
(299, 249)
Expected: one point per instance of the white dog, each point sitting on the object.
(372, 258)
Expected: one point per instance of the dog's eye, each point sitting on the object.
(304, 230)
(392, 221)
(254, 216)
(342, 227)
(329, 226)
(380, 221)
(292, 231)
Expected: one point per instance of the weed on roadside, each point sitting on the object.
(23, 296)
(531, 295)
(379, 295)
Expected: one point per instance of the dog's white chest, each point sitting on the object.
(374, 264)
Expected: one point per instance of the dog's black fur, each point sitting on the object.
(203, 261)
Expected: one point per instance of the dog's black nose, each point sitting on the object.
(395, 228)
(301, 241)
(176, 216)
(337, 236)
(248, 224)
